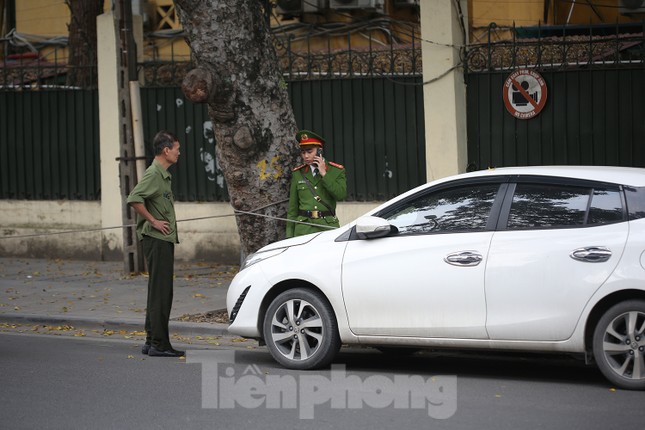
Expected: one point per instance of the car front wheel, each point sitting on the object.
(300, 330)
(619, 344)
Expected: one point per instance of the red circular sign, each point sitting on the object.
(524, 93)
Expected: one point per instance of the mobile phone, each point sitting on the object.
(319, 152)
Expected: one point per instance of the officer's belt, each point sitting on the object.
(315, 214)
(317, 197)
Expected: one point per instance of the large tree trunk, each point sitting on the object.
(238, 76)
(82, 42)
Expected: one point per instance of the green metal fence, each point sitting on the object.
(49, 145)
(591, 117)
(196, 176)
(49, 139)
(374, 127)
(594, 111)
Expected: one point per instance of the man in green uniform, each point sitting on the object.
(152, 200)
(316, 186)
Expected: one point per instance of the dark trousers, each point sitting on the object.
(160, 257)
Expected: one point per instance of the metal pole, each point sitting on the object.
(573, 3)
(132, 253)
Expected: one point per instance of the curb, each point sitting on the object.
(180, 327)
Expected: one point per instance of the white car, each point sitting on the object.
(529, 258)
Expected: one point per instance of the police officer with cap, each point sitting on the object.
(316, 186)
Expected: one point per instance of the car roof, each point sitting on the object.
(631, 176)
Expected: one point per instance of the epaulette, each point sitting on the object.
(299, 167)
(340, 166)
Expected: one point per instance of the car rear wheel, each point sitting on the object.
(619, 344)
(300, 330)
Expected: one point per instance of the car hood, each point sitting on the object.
(301, 240)
(293, 241)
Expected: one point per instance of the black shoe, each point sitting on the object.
(145, 348)
(176, 351)
(154, 352)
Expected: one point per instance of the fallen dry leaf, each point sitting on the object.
(60, 328)
(6, 325)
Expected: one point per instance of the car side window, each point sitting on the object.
(606, 207)
(635, 197)
(451, 210)
(544, 206)
(536, 206)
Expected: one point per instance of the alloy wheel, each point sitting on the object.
(619, 345)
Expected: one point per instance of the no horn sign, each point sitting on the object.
(524, 93)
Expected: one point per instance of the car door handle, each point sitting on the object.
(464, 258)
(591, 254)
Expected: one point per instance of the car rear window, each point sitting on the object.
(635, 202)
(606, 207)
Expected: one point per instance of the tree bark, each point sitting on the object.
(238, 76)
(82, 42)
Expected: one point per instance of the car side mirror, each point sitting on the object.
(371, 227)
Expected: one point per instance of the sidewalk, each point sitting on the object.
(100, 295)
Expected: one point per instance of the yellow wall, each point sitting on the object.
(505, 12)
(46, 19)
(51, 17)
(526, 13)
(42, 17)
(606, 11)
(531, 12)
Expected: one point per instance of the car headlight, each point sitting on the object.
(256, 257)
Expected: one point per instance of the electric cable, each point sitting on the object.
(236, 212)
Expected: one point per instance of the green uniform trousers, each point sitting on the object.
(160, 257)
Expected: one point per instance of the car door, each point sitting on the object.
(556, 246)
(426, 280)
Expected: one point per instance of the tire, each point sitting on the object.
(301, 331)
(619, 344)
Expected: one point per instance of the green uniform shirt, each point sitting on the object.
(154, 191)
(331, 188)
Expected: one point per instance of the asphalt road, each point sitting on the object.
(67, 382)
